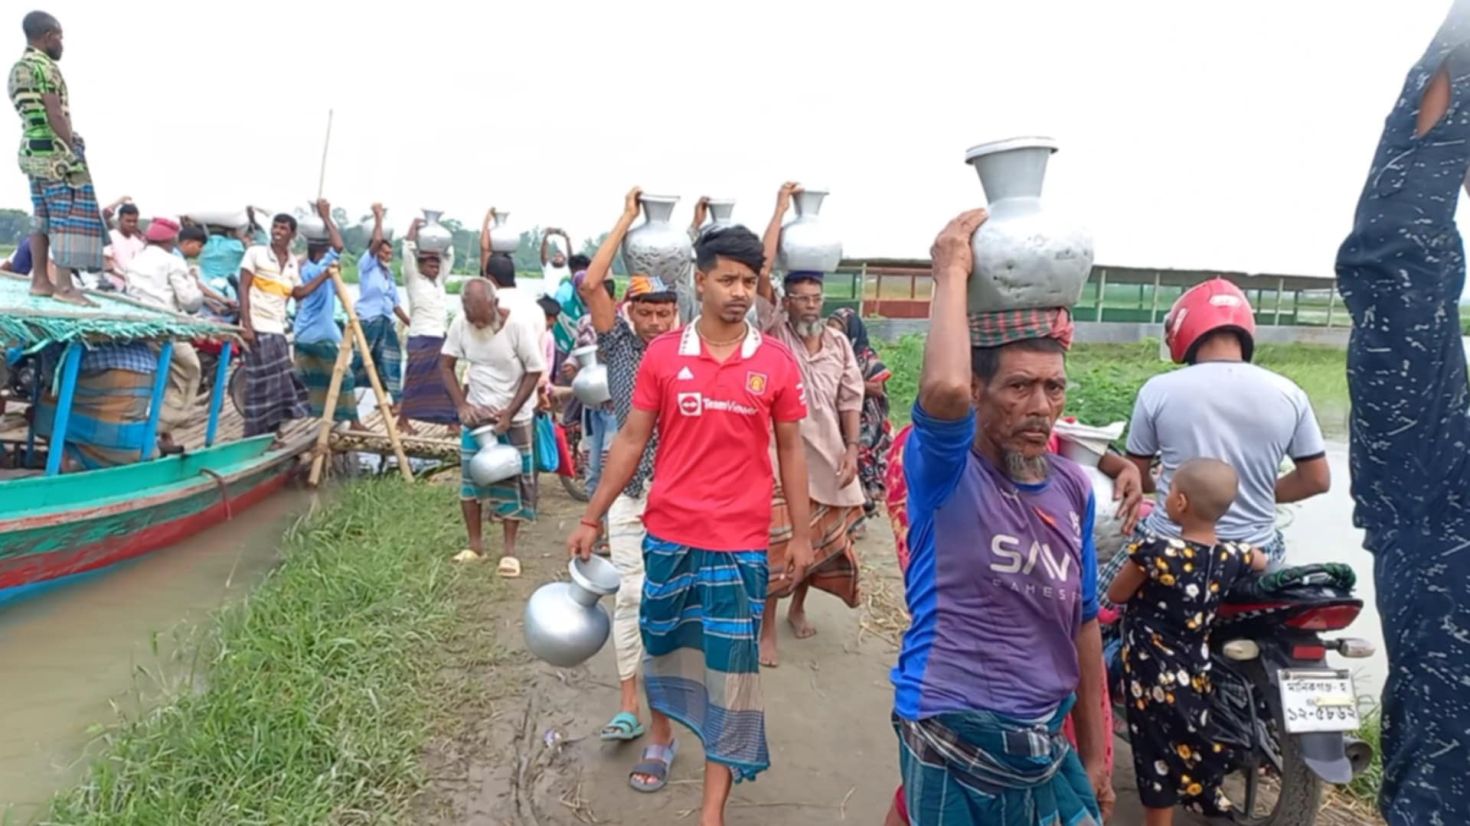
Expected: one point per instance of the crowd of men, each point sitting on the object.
(1001, 659)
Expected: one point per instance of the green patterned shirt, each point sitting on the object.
(42, 154)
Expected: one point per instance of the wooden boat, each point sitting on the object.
(54, 525)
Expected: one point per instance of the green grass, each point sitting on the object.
(1365, 786)
(1104, 379)
(318, 690)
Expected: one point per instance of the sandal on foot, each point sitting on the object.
(623, 726)
(656, 762)
(509, 567)
(467, 555)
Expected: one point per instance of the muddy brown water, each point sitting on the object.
(73, 654)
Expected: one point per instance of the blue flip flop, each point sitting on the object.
(623, 726)
(656, 762)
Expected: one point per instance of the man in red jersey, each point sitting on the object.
(715, 390)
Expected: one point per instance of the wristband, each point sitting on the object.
(595, 524)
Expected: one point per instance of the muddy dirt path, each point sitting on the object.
(525, 751)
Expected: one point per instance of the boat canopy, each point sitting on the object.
(29, 323)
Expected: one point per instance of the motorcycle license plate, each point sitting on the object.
(1318, 700)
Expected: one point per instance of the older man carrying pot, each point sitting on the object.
(1002, 579)
(505, 364)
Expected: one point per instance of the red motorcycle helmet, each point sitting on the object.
(1206, 308)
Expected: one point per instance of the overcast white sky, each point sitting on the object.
(1223, 135)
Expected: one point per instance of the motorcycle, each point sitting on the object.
(1285, 716)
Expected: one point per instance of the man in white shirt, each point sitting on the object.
(554, 269)
(123, 243)
(505, 365)
(520, 301)
(158, 276)
(423, 397)
(269, 275)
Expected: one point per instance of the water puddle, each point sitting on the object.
(70, 654)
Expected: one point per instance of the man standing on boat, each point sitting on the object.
(161, 278)
(424, 396)
(318, 338)
(66, 223)
(377, 307)
(269, 275)
(715, 392)
(1401, 273)
(622, 338)
(506, 362)
(834, 399)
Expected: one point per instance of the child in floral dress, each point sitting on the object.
(1172, 588)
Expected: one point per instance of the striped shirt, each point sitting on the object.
(271, 285)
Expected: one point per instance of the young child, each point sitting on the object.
(1172, 588)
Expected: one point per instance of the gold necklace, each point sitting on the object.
(726, 343)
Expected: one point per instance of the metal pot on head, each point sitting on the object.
(808, 244)
(434, 238)
(366, 225)
(1026, 257)
(656, 247)
(494, 462)
(563, 623)
(503, 238)
(590, 386)
(310, 225)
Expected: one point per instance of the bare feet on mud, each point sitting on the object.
(770, 658)
(799, 626)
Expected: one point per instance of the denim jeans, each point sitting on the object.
(598, 428)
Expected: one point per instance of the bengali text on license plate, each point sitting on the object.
(1318, 700)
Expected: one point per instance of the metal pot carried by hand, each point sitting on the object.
(590, 386)
(563, 623)
(433, 237)
(494, 462)
(1026, 257)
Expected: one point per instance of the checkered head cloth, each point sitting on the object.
(994, 329)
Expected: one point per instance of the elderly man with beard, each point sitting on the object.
(834, 396)
(622, 338)
(1002, 578)
(505, 365)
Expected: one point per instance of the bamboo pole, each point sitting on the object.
(329, 413)
(321, 180)
(385, 405)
